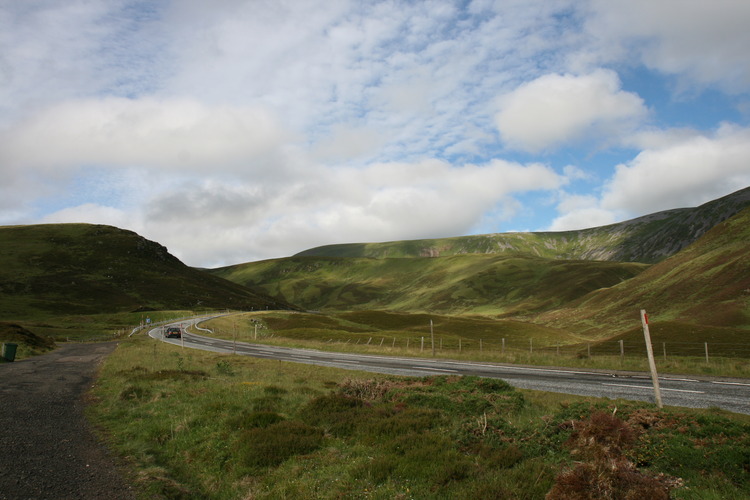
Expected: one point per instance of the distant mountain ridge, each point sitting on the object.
(646, 239)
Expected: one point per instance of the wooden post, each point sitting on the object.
(432, 339)
(381, 341)
(480, 345)
(705, 344)
(394, 342)
(421, 347)
(664, 348)
(459, 345)
(503, 351)
(651, 362)
(622, 351)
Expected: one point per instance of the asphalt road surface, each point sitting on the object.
(47, 448)
(688, 391)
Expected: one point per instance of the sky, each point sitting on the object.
(233, 131)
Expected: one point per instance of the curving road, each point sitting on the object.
(689, 391)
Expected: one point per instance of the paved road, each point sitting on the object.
(47, 449)
(694, 392)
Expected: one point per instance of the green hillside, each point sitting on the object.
(708, 283)
(646, 239)
(59, 269)
(480, 284)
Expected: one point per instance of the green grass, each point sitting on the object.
(486, 284)
(27, 343)
(54, 270)
(202, 425)
(705, 285)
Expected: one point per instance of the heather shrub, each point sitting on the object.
(269, 446)
(605, 472)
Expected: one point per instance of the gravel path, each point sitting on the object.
(47, 449)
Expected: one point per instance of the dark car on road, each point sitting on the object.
(173, 332)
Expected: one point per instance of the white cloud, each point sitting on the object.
(179, 134)
(347, 143)
(705, 40)
(236, 130)
(214, 223)
(583, 218)
(94, 214)
(682, 174)
(556, 109)
(580, 212)
(680, 170)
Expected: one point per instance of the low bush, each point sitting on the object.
(271, 445)
(338, 414)
(601, 441)
(253, 420)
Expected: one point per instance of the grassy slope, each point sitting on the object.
(708, 283)
(487, 284)
(204, 425)
(28, 343)
(646, 239)
(700, 292)
(86, 269)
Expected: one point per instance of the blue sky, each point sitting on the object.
(232, 131)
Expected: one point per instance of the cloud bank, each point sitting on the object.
(239, 130)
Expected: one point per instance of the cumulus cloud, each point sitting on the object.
(680, 170)
(706, 41)
(242, 130)
(93, 213)
(682, 174)
(174, 134)
(554, 109)
(580, 212)
(215, 223)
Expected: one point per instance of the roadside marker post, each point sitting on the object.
(432, 338)
(651, 362)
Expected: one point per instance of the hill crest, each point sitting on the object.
(87, 269)
(647, 239)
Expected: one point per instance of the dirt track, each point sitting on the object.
(47, 449)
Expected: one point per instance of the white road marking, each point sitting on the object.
(645, 387)
(434, 369)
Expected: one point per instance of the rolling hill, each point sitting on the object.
(701, 274)
(647, 239)
(708, 283)
(55, 269)
(459, 284)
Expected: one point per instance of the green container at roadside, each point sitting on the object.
(9, 351)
